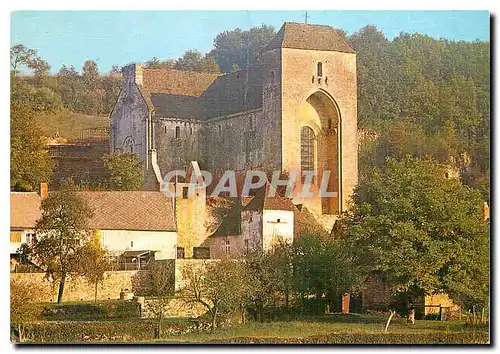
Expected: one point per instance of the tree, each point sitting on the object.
(62, 231)
(23, 297)
(240, 47)
(423, 230)
(21, 56)
(92, 261)
(193, 60)
(162, 288)
(123, 172)
(220, 286)
(30, 162)
(208, 65)
(155, 63)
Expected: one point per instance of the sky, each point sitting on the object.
(120, 37)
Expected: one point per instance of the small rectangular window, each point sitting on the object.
(30, 239)
(279, 220)
(320, 69)
(131, 243)
(201, 252)
(180, 252)
(227, 247)
(177, 132)
(185, 192)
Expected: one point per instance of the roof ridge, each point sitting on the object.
(182, 71)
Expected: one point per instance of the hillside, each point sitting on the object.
(69, 125)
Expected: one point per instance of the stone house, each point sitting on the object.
(294, 110)
(130, 223)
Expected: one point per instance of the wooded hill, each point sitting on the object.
(416, 95)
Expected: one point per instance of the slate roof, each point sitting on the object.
(231, 222)
(176, 82)
(188, 94)
(113, 210)
(305, 222)
(262, 201)
(226, 94)
(24, 210)
(309, 37)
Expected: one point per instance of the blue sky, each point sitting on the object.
(120, 37)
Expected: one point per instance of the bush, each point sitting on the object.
(91, 311)
(432, 317)
(105, 331)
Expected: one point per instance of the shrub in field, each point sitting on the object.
(87, 311)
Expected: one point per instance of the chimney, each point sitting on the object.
(44, 191)
(133, 72)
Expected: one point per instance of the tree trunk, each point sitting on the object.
(95, 293)
(20, 332)
(214, 318)
(61, 288)
(159, 326)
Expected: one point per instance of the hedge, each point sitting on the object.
(91, 311)
(376, 338)
(104, 331)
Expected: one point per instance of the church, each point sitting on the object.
(295, 109)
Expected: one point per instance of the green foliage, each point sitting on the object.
(124, 172)
(193, 60)
(424, 96)
(23, 296)
(92, 261)
(30, 163)
(240, 48)
(162, 288)
(221, 287)
(61, 233)
(23, 57)
(155, 63)
(91, 311)
(424, 230)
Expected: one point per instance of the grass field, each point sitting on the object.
(328, 329)
(68, 124)
(355, 329)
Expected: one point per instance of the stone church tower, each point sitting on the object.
(295, 110)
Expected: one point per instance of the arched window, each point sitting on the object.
(319, 72)
(128, 145)
(307, 149)
(177, 132)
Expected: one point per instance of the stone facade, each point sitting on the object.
(78, 289)
(250, 119)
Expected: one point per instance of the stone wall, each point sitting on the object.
(176, 151)
(233, 142)
(80, 161)
(298, 69)
(77, 288)
(175, 308)
(129, 118)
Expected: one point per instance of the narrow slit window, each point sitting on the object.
(177, 132)
(320, 69)
(220, 130)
